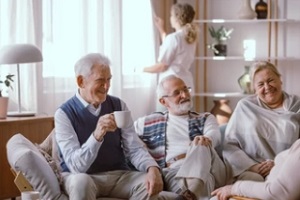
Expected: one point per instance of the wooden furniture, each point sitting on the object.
(269, 39)
(241, 198)
(36, 129)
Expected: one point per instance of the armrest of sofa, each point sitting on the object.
(241, 198)
(25, 157)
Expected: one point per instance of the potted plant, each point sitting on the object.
(220, 36)
(4, 100)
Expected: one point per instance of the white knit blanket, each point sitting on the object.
(256, 133)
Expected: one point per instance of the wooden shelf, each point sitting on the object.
(221, 94)
(243, 58)
(271, 36)
(245, 21)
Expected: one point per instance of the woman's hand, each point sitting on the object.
(262, 168)
(265, 167)
(159, 23)
(223, 193)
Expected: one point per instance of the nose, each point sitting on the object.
(267, 85)
(106, 85)
(184, 94)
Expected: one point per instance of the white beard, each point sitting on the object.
(181, 108)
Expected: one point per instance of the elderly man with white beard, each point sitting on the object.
(183, 142)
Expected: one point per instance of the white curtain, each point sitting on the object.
(19, 22)
(65, 31)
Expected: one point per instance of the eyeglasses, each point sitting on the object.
(176, 93)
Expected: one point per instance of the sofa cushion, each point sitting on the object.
(52, 164)
(24, 156)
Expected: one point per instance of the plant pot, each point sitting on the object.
(3, 107)
(220, 50)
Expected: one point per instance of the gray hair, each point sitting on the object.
(260, 65)
(84, 65)
(160, 90)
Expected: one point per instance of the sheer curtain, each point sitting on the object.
(65, 31)
(72, 29)
(19, 22)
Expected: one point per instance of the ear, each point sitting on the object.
(163, 102)
(80, 81)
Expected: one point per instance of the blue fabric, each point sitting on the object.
(154, 135)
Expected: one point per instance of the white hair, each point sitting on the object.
(84, 65)
(160, 90)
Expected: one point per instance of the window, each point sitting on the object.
(138, 42)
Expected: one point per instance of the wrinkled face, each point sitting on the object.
(94, 88)
(178, 99)
(267, 86)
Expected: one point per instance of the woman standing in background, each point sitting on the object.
(177, 51)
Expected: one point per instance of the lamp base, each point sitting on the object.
(20, 114)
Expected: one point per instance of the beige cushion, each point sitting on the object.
(24, 156)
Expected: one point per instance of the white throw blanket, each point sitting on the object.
(256, 133)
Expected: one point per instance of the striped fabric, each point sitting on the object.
(155, 133)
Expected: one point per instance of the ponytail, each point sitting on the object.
(191, 32)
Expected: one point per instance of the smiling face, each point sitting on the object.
(94, 87)
(267, 86)
(177, 98)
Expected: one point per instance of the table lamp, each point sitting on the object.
(18, 54)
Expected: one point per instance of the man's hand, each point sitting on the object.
(223, 193)
(105, 123)
(201, 140)
(154, 182)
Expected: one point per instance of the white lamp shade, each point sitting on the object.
(20, 53)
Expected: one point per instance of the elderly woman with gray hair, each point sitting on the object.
(262, 125)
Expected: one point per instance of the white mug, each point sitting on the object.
(123, 118)
(30, 195)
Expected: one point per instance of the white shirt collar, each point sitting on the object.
(90, 107)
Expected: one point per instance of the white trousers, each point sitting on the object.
(116, 184)
(202, 163)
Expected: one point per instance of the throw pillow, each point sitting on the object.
(24, 156)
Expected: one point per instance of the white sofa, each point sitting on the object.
(39, 170)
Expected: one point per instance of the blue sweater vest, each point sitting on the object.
(110, 156)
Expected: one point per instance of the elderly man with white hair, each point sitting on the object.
(182, 142)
